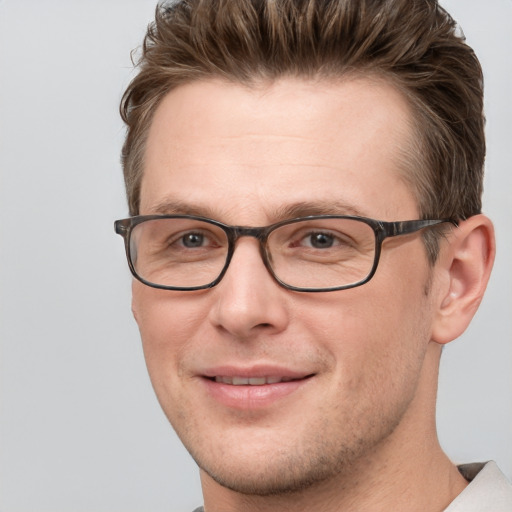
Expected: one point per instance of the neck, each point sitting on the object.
(407, 471)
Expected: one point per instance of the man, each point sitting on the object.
(304, 179)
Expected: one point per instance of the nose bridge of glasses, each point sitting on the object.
(260, 233)
(241, 231)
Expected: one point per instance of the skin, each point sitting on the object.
(359, 432)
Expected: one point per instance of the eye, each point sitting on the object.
(193, 240)
(322, 240)
(319, 240)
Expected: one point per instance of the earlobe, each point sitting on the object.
(466, 262)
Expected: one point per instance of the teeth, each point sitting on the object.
(251, 381)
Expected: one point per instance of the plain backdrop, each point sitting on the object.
(80, 429)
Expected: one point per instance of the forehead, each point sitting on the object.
(219, 146)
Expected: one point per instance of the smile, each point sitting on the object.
(253, 392)
(251, 381)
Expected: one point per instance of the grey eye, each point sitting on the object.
(321, 241)
(192, 240)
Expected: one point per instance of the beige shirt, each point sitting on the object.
(488, 491)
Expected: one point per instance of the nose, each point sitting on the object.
(248, 300)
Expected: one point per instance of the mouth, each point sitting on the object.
(254, 381)
(256, 390)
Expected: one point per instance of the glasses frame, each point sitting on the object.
(381, 229)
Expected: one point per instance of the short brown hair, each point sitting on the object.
(414, 44)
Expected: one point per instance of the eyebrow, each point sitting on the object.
(284, 212)
(177, 207)
(305, 209)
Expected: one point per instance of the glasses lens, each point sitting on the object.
(322, 253)
(178, 252)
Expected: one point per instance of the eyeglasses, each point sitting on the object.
(308, 254)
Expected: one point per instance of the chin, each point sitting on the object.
(284, 478)
(265, 470)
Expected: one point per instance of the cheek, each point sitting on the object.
(167, 322)
(377, 334)
(398, 331)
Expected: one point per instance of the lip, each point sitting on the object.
(251, 396)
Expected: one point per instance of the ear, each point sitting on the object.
(464, 267)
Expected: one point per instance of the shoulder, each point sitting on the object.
(488, 490)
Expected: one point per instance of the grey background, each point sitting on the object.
(80, 429)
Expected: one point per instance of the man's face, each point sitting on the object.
(352, 360)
